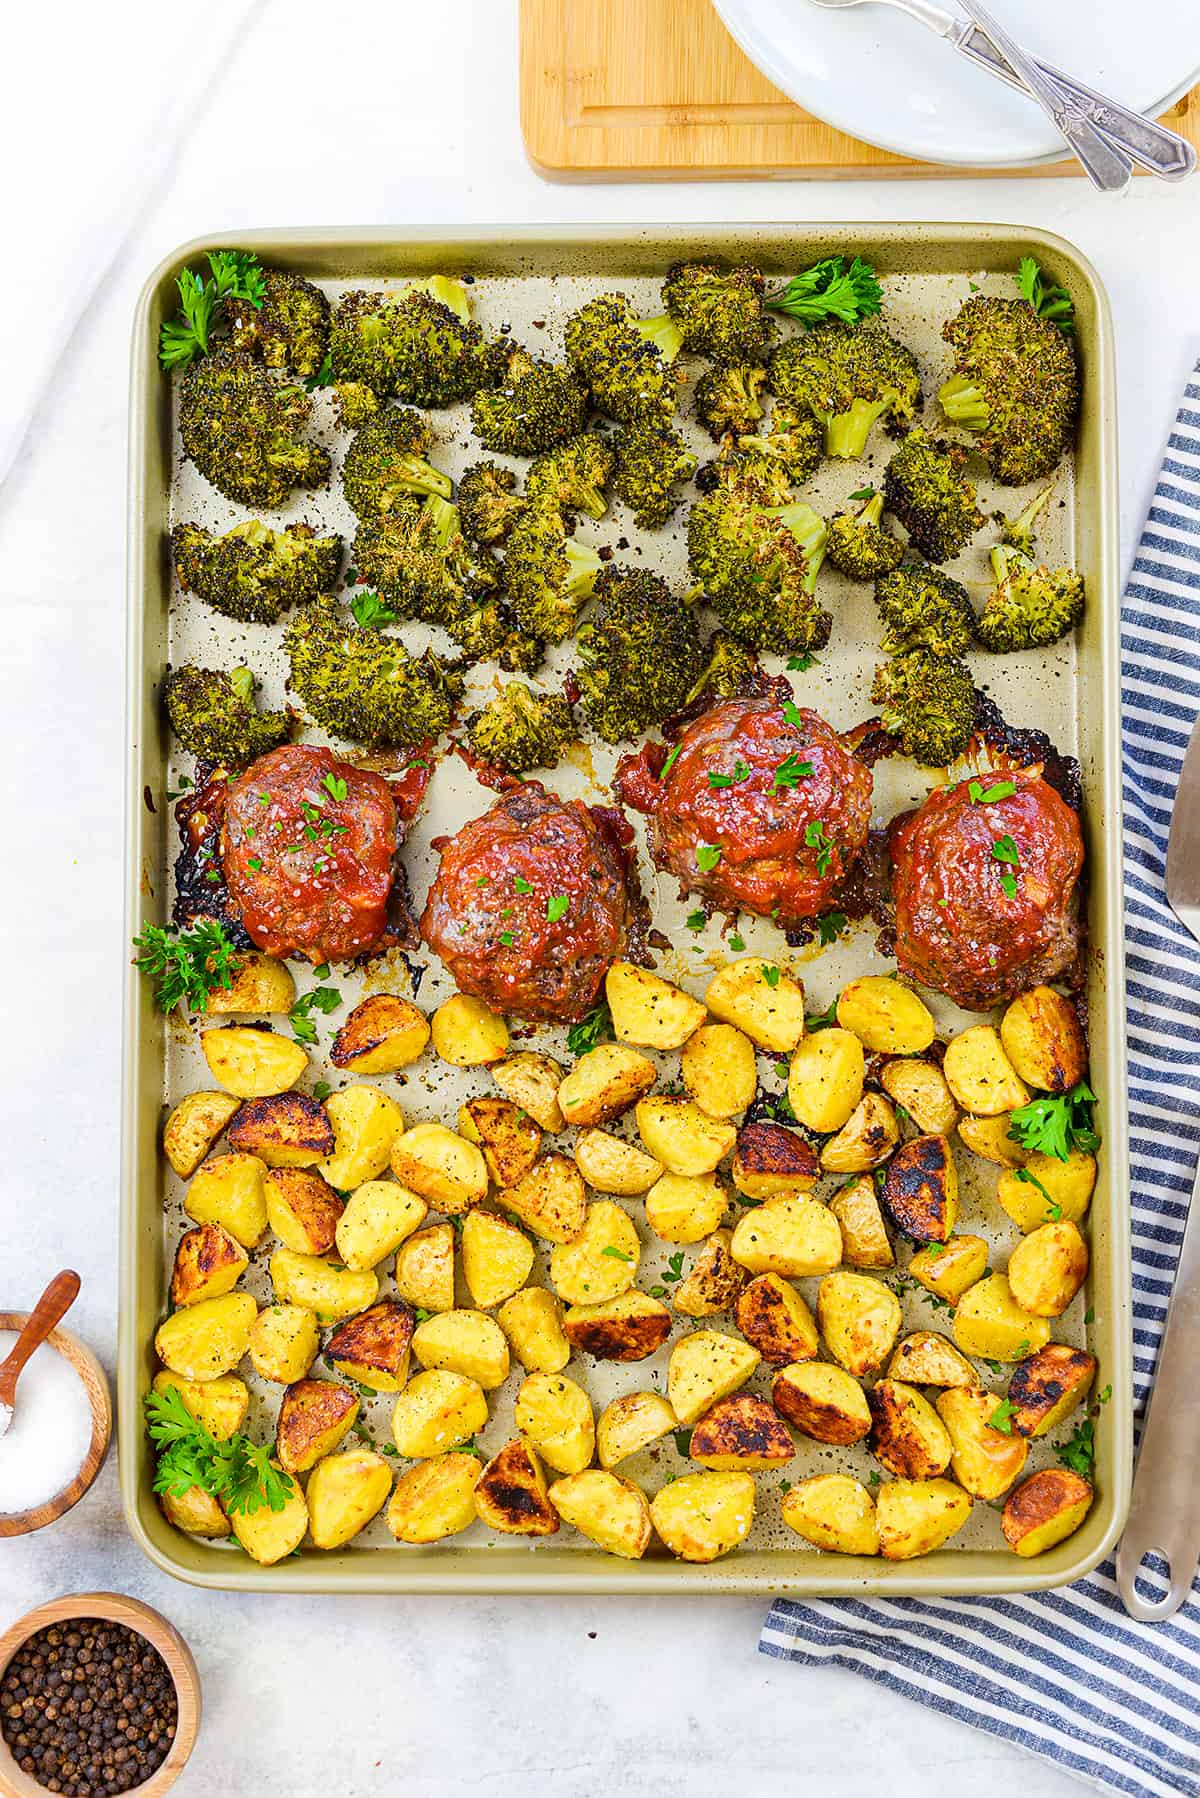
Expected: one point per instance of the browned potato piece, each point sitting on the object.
(927, 1359)
(436, 1412)
(195, 1511)
(260, 985)
(1045, 1509)
(612, 1165)
(1047, 1268)
(989, 1138)
(860, 1320)
(425, 1268)
(604, 1083)
(988, 1322)
(686, 1207)
(194, 1126)
(497, 1257)
(206, 1339)
(532, 1321)
(283, 1343)
(920, 1189)
(551, 1200)
(865, 1240)
(302, 1209)
(684, 1138)
(603, 1259)
(825, 1081)
(761, 999)
(208, 1262)
(250, 1061)
(775, 1319)
(834, 1512)
(980, 1075)
(508, 1136)
(704, 1515)
(283, 1129)
(434, 1499)
(865, 1140)
(771, 1161)
(333, 1292)
(220, 1404)
(987, 1458)
(917, 1516)
(741, 1431)
(609, 1511)
(379, 1215)
(627, 1328)
(947, 1269)
(228, 1190)
(373, 1348)
(1046, 1388)
(467, 1034)
(314, 1416)
(554, 1415)
(466, 1342)
(343, 1495)
(1044, 1188)
(706, 1366)
(823, 1401)
(511, 1496)
(889, 1019)
(907, 1435)
(383, 1034)
(365, 1125)
(790, 1236)
(532, 1082)
(648, 1010)
(440, 1166)
(719, 1070)
(268, 1536)
(631, 1423)
(714, 1282)
(1043, 1039)
(919, 1088)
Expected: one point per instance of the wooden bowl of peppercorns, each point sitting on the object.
(99, 1695)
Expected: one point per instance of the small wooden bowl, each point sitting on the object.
(112, 1608)
(19, 1523)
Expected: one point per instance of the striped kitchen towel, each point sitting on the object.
(1068, 1674)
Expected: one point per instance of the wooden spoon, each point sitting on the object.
(50, 1310)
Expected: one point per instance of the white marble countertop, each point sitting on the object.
(354, 1696)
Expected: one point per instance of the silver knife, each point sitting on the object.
(1164, 1515)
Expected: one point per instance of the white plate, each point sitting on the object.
(882, 77)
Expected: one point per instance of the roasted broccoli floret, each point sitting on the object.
(924, 608)
(729, 668)
(490, 633)
(719, 312)
(860, 546)
(640, 653)
(924, 485)
(625, 362)
(362, 685)
(214, 716)
(651, 460)
(521, 729)
(488, 505)
(766, 467)
(240, 427)
(848, 376)
(548, 574)
(536, 406)
(387, 458)
(1021, 531)
(727, 397)
(409, 346)
(758, 566)
(1030, 607)
(417, 556)
(927, 702)
(355, 403)
(572, 478)
(253, 573)
(290, 330)
(1015, 384)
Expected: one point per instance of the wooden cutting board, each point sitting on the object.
(658, 88)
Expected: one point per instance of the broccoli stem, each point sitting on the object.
(872, 512)
(846, 433)
(664, 334)
(445, 519)
(420, 476)
(963, 403)
(1003, 559)
(811, 533)
(583, 566)
(1019, 531)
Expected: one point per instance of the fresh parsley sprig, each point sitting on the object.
(237, 1472)
(1048, 300)
(831, 288)
(370, 612)
(186, 964)
(1057, 1124)
(596, 1026)
(236, 274)
(321, 998)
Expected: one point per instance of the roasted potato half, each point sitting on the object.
(604, 1083)
(508, 1136)
(283, 1343)
(440, 1166)
(551, 1200)
(314, 1416)
(719, 1070)
(383, 1034)
(793, 1236)
(761, 1000)
(920, 1189)
(865, 1140)
(771, 1161)
(302, 1209)
(466, 1342)
(532, 1082)
(741, 1431)
(268, 1536)
(554, 1416)
(979, 1074)
(865, 1241)
(822, 1401)
(379, 1215)
(1045, 1189)
(860, 1320)
(436, 1411)
(343, 1495)
(887, 1018)
(260, 985)
(365, 1125)
(907, 1435)
(425, 1268)
(609, 1511)
(434, 1499)
(228, 1190)
(714, 1282)
(497, 1257)
(208, 1264)
(702, 1516)
(220, 1404)
(833, 1512)
(989, 1139)
(948, 1269)
(686, 1207)
(631, 1423)
(252, 1062)
(916, 1516)
(332, 1292)
(706, 1366)
(207, 1339)
(1044, 1040)
(774, 1318)
(927, 1359)
(195, 1511)
(601, 1262)
(194, 1126)
(372, 1349)
(609, 1164)
(919, 1088)
(467, 1034)
(1046, 1388)
(988, 1322)
(987, 1458)
(532, 1320)
(647, 1010)
(1047, 1268)
(825, 1080)
(510, 1494)
(684, 1138)
(1045, 1509)
(284, 1130)
(627, 1328)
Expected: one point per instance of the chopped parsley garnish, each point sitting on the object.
(830, 926)
(822, 1019)
(683, 1441)
(370, 612)
(790, 772)
(707, 857)
(737, 943)
(696, 920)
(770, 974)
(802, 663)
(508, 938)
(255, 862)
(864, 493)
(322, 1089)
(557, 907)
(335, 786)
(981, 795)
(1002, 1416)
(792, 713)
(1005, 850)
(740, 773)
(1078, 1452)
(595, 1027)
(1058, 1124)
(815, 838)
(670, 761)
(671, 1272)
(186, 964)
(323, 999)
(616, 1253)
(520, 884)
(323, 376)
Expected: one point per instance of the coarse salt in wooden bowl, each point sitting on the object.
(95, 1383)
(111, 1607)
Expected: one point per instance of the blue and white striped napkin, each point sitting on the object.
(1068, 1674)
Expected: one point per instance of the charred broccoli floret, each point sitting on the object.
(488, 505)
(924, 485)
(860, 546)
(625, 362)
(719, 312)
(927, 702)
(253, 573)
(572, 478)
(848, 376)
(758, 566)
(1021, 530)
(240, 427)
(766, 467)
(651, 460)
(1030, 607)
(490, 633)
(290, 330)
(410, 346)
(1015, 384)
(387, 458)
(640, 653)
(727, 397)
(924, 608)
(548, 574)
(536, 406)
(521, 729)
(364, 686)
(729, 668)
(355, 403)
(417, 556)
(214, 716)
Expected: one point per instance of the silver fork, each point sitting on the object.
(1150, 145)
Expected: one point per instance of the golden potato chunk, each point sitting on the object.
(706, 1366)
(260, 984)
(532, 1321)
(497, 1257)
(865, 1241)
(989, 1139)
(761, 1000)
(208, 1264)
(437, 1411)
(702, 1516)
(220, 1404)
(195, 1511)
(440, 1166)
(434, 1499)
(947, 1269)
(554, 1415)
(865, 1140)
(916, 1516)
(741, 1431)
(206, 1339)
(1045, 1509)
(1047, 1268)
(194, 1126)
(887, 1018)
(551, 1200)
(631, 1423)
(251, 1062)
(344, 1493)
(719, 1070)
(379, 1215)
(302, 1209)
(1044, 1040)
(508, 1136)
(627, 1328)
(283, 1343)
(314, 1416)
(332, 1292)
(601, 1262)
(647, 1010)
(988, 1322)
(684, 1138)
(609, 1164)
(825, 1079)
(1046, 1189)
(609, 1511)
(907, 1435)
(1046, 1388)
(604, 1083)
(988, 1455)
(920, 1189)
(510, 1495)
(372, 1349)
(833, 1512)
(919, 1088)
(771, 1162)
(228, 1190)
(383, 1034)
(424, 1268)
(467, 1034)
(467, 1342)
(532, 1082)
(927, 1359)
(268, 1536)
(793, 1236)
(823, 1401)
(685, 1207)
(775, 1319)
(284, 1130)
(860, 1320)
(980, 1075)
(365, 1125)
(714, 1282)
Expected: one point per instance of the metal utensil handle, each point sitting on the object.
(50, 1309)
